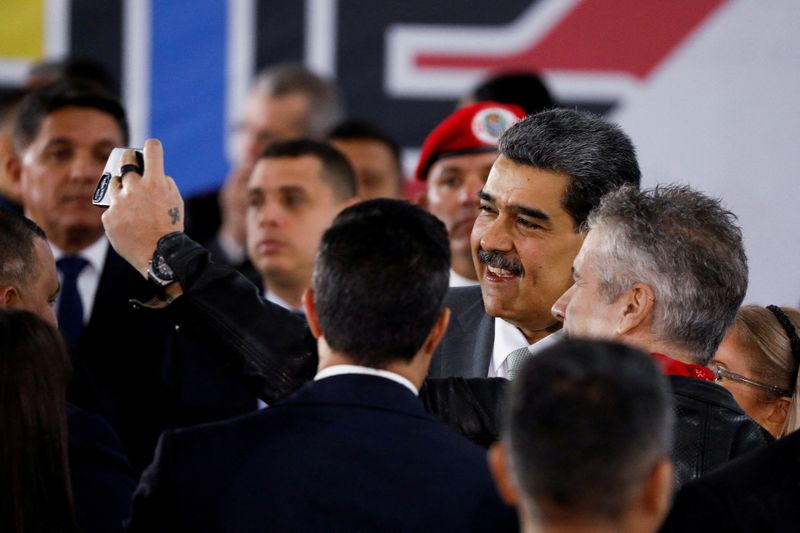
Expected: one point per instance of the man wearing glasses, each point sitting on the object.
(665, 271)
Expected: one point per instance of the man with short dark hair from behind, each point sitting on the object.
(353, 449)
(665, 271)
(296, 189)
(102, 483)
(374, 156)
(586, 441)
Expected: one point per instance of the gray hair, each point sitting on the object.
(687, 248)
(290, 78)
(596, 154)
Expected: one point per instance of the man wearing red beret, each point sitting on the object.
(455, 162)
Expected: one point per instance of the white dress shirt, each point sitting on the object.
(457, 280)
(277, 300)
(89, 278)
(338, 370)
(508, 338)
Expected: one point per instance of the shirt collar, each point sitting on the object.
(507, 338)
(277, 300)
(338, 370)
(457, 280)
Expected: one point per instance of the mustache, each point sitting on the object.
(500, 260)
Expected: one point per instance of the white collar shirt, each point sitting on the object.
(457, 280)
(339, 370)
(508, 338)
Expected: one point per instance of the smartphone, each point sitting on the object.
(111, 169)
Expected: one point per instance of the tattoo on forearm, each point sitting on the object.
(174, 214)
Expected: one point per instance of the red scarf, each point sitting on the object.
(673, 367)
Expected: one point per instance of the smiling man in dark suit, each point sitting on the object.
(553, 167)
(353, 449)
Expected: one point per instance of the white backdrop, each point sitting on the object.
(723, 115)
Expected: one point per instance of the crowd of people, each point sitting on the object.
(323, 345)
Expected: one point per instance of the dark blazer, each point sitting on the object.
(346, 453)
(203, 215)
(466, 349)
(758, 492)
(710, 428)
(126, 370)
(102, 483)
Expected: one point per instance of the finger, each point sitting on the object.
(129, 168)
(153, 158)
(128, 158)
(114, 189)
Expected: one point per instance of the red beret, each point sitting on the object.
(471, 129)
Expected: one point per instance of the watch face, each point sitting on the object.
(160, 270)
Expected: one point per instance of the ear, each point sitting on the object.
(10, 297)
(779, 412)
(311, 313)
(421, 199)
(498, 465)
(437, 332)
(657, 490)
(636, 308)
(14, 169)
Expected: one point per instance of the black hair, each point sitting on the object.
(381, 274)
(355, 129)
(336, 170)
(18, 263)
(59, 95)
(596, 155)
(586, 424)
(35, 487)
(524, 89)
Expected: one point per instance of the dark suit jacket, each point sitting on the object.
(466, 349)
(346, 453)
(102, 483)
(127, 371)
(758, 492)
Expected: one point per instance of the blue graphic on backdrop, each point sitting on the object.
(187, 97)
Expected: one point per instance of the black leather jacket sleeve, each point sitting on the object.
(269, 347)
(274, 351)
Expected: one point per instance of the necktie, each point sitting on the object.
(515, 359)
(70, 307)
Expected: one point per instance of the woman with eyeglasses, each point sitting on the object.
(758, 363)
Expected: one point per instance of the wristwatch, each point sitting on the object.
(159, 272)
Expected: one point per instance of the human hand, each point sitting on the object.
(143, 208)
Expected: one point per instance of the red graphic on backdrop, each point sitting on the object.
(631, 36)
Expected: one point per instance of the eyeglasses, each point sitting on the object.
(723, 373)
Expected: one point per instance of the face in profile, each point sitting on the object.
(523, 245)
(59, 171)
(289, 208)
(38, 292)
(735, 357)
(377, 172)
